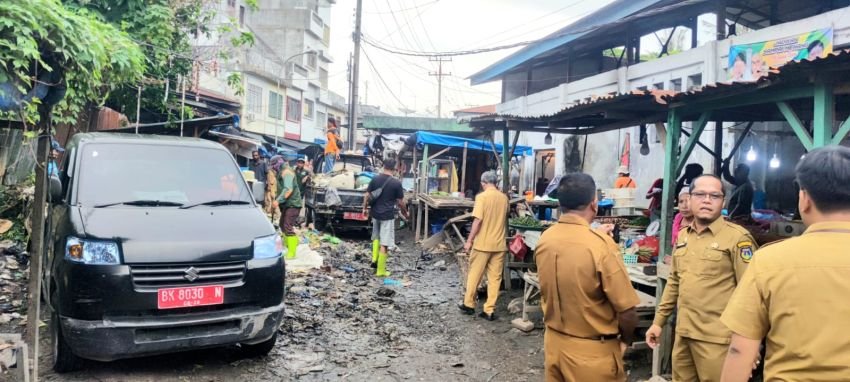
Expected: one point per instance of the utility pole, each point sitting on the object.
(355, 76)
(439, 74)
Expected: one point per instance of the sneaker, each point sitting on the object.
(488, 317)
(465, 309)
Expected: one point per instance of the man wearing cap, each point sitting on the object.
(55, 152)
(289, 200)
(623, 178)
(332, 147)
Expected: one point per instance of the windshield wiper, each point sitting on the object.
(216, 203)
(151, 203)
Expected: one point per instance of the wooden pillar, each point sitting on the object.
(42, 185)
(721, 19)
(463, 169)
(671, 161)
(824, 114)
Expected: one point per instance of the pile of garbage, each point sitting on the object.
(14, 276)
(342, 314)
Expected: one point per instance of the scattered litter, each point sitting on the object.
(392, 282)
(305, 259)
(385, 292)
(515, 306)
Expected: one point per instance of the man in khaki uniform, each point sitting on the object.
(587, 298)
(796, 292)
(709, 260)
(486, 246)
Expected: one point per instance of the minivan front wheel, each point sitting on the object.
(63, 359)
(261, 349)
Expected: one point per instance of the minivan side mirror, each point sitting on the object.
(258, 189)
(55, 195)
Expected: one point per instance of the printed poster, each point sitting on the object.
(750, 61)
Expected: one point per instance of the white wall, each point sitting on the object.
(703, 65)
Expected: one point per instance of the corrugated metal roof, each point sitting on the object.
(651, 102)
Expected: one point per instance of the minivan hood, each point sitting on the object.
(168, 234)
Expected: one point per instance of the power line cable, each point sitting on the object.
(381, 79)
(407, 52)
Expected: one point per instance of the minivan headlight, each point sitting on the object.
(268, 247)
(102, 252)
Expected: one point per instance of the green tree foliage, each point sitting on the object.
(78, 51)
(163, 29)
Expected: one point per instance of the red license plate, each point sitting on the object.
(171, 298)
(353, 216)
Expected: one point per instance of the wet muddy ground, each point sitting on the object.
(343, 324)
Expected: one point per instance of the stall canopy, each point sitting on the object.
(423, 138)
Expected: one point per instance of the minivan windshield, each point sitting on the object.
(158, 176)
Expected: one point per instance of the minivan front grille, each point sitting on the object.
(151, 276)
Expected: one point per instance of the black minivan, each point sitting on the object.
(158, 245)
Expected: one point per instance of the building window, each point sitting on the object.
(309, 105)
(241, 15)
(231, 3)
(255, 99)
(323, 78)
(311, 60)
(320, 120)
(275, 105)
(293, 109)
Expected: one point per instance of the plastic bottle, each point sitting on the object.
(391, 282)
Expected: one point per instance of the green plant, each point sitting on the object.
(87, 56)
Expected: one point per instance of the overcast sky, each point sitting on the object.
(441, 25)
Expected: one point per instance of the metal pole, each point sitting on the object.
(277, 124)
(355, 75)
(463, 168)
(824, 114)
(182, 103)
(138, 107)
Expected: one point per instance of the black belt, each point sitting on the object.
(604, 337)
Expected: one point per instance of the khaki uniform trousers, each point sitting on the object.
(571, 359)
(697, 361)
(479, 262)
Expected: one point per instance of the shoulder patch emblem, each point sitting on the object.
(745, 248)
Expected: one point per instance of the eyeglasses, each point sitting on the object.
(715, 196)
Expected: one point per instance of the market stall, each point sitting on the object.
(814, 91)
(446, 170)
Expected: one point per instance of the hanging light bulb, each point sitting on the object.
(774, 162)
(751, 155)
(548, 139)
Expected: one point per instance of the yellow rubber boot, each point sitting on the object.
(382, 266)
(376, 249)
(291, 246)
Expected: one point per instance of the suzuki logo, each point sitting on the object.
(191, 274)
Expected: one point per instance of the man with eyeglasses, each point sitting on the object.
(795, 292)
(709, 260)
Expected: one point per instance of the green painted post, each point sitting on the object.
(671, 161)
(824, 115)
(506, 159)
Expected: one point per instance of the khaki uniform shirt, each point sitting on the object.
(796, 293)
(707, 267)
(491, 206)
(583, 281)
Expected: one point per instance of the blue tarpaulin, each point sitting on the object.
(423, 138)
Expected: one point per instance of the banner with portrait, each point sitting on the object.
(750, 61)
